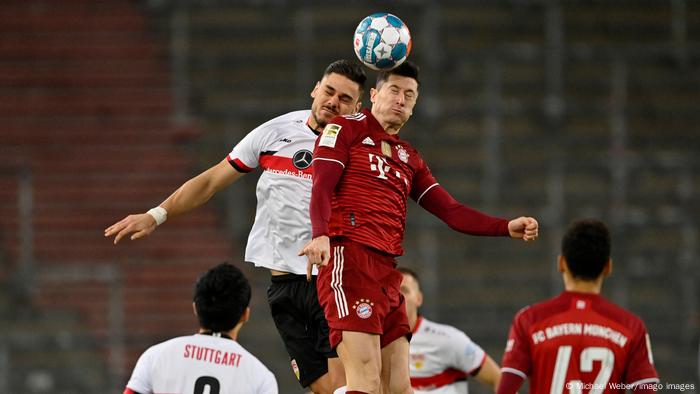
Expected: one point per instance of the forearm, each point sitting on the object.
(460, 217)
(200, 189)
(489, 373)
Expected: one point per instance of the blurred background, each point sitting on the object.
(555, 109)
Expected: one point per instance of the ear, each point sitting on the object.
(246, 316)
(313, 91)
(561, 264)
(194, 308)
(607, 270)
(358, 106)
(419, 299)
(372, 95)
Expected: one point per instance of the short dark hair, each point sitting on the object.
(405, 69)
(409, 272)
(221, 296)
(586, 248)
(351, 70)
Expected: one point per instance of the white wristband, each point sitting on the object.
(159, 214)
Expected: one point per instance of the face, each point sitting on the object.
(334, 95)
(393, 102)
(411, 292)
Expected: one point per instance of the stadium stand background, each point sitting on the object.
(555, 109)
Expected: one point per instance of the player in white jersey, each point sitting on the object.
(210, 361)
(442, 357)
(282, 147)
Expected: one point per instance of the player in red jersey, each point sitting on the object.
(578, 342)
(363, 176)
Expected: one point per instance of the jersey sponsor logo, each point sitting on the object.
(363, 308)
(287, 140)
(403, 155)
(302, 159)
(368, 141)
(330, 135)
(418, 360)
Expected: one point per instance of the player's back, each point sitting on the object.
(581, 342)
(199, 364)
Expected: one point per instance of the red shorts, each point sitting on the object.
(360, 290)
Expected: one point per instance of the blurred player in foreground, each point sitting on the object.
(282, 147)
(210, 361)
(363, 176)
(578, 341)
(441, 356)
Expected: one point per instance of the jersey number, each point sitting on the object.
(204, 382)
(588, 356)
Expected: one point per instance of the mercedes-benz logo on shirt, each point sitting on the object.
(302, 159)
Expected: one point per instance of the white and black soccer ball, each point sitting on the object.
(382, 41)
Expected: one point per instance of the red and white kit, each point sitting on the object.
(579, 342)
(200, 364)
(362, 180)
(283, 148)
(442, 358)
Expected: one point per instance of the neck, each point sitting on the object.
(313, 124)
(233, 334)
(582, 286)
(412, 319)
(389, 128)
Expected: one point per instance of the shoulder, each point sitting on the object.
(619, 314)
(282, 122)
(539, 311)
(441, 331)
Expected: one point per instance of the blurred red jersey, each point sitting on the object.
(579, 342)
(381, 172)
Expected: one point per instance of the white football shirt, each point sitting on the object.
(441, 358)
(198, 364)
(283, 148)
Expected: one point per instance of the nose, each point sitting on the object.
(333, 101)
(400, 99)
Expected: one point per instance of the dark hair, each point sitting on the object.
(221, 295)
(409, 272)
(405, 69)
(586, 248)
(348, 69)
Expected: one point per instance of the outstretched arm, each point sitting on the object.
(462, 218)
(489, 373)
(189, 196)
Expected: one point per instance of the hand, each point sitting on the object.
(140, 225)
(525, 228)
(318, 252)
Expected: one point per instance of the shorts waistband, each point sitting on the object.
(290, 278)
(383, 257)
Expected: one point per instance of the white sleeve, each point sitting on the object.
(268, 384)
(246, 154)
(468, 356)
(141, 379)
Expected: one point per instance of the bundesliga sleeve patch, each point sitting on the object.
(330, 135)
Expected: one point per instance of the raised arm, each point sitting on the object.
(436, 200)
(187, 197)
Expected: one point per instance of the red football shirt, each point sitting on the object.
(380, 172)
(580, 342)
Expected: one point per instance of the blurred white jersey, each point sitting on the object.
(442, 357)
(283, 147)
(199, 364)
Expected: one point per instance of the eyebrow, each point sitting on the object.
(342, 95)
(393, 85)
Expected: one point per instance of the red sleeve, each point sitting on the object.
(509, 384)
(516, 358)
(331, 153)
(440, 203)
(326, 177)
(129, 391)
(641, 364)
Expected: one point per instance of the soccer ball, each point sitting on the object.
(382, 41)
